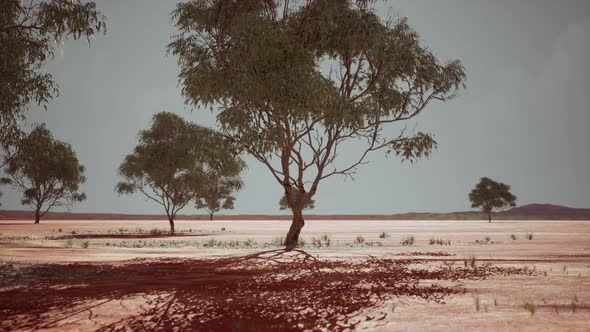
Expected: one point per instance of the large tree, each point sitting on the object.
(294, 81)
(490, 195)
(46, 171)
(173, 162)
(29, 33)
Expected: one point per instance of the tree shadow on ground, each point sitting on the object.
(274, 290)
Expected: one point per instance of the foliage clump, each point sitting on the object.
(490, 195)
(46, 171)
(175, 162)
(261, 64)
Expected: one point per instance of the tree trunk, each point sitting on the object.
(296, 225)
(489, 217)
(211, 216)
(171, 220)
(37, 216)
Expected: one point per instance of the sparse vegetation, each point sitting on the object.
(384, 235)
(156, 231)
(407, 241)
(513, 237)
(69, 244)
(279, 241)
(211, 243)
(359, 240)
(477, 303)
(470, 262)
(440, 242)
(528, 236)
(322, 241)
(85, 244)
(530, 307)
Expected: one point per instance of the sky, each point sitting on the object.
(523, 118)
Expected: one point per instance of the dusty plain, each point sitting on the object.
(234, 276)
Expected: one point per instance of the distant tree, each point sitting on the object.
(46, 171)
(222, 180)
(295, 81)
(490, 195)
(219, 196)
(284, 203)
(172, 163)
(29, 33)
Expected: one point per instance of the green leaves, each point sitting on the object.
(284, 202)
(413, 148)
(29, 33)
(293, 83)
(176, 160)
(46, 171)
(490, 195)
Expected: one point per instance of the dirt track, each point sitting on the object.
(527, 285)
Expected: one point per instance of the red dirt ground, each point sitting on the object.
(541, 284)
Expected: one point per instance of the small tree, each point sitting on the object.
(172, 163)
(222, 180)
(490, 195)
(46, 171)
(284, 203)
(219, 196)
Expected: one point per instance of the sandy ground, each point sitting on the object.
(554, 295)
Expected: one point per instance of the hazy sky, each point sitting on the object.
(522, 120)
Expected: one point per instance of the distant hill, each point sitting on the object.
(547, 211)
(525, 212)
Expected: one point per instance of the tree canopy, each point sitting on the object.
(284, 203)
(295, 81)
(29, 33)
(46, 171)
(490, 195)
(219, 195)
(173, 162)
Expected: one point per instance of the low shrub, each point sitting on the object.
(441, 242)
(407, 241)
(322, 241)
(530, 307)
(470, 262)
(156, 231)
(359, 239)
